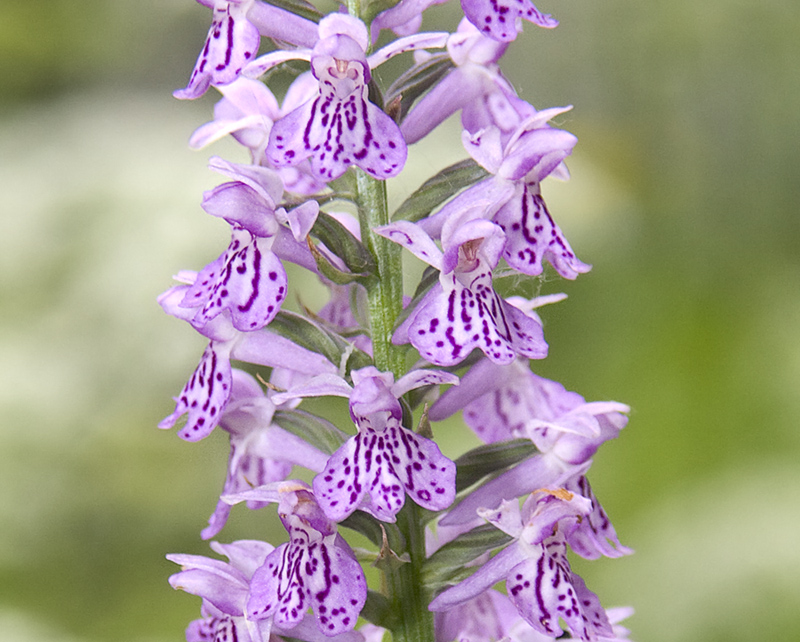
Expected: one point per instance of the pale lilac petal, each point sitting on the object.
(414, 239)
(595, 535)
(263, 180)
(246, 555)
(204, 395)
(431, 40)
(302, 218)
(536, 153)
(282, 25)
(240, 205)
(506, 517)
(457, 233)
(342, 24)
(485, 147)
(320, 386)
(485, 618)
(269, 349)
(220, 584)
(231, 43)
(482, 379)
(540, 471)
(483, 579)
(458, 88)
(418, 378)
(217, 129)
(485, 198)
(263, 64)
(400, 15)
(287, 248)
(498, 18)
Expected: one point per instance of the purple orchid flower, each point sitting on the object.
(247, 112)
(539, 580)
(492, 616)
(486, 617)
(261, 452)
(502, 19)
(206, 394)
(476, 86)
(463, 311)
(510, 401)
(512, 196)
(234, 38)
(384, 461)
(340, 127)
(248, 279)
(316, 567)
(225, 589)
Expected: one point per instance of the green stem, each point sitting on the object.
(385, 292)
(408, 599)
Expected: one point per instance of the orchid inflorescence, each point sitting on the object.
(445, 532)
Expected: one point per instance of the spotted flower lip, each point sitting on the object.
(234, 37)
(375, 469)
(539, 580)
(502, 19)
(340, 127)
(462, 311)
(225, 588)
(315, 568)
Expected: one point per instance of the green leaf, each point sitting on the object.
(440, 188)
(315, 337)
(299, 8)
(317, 431)
(338, 239)
(490, 459)
(448, 564)
(329, 270)
(370, 528)
(415, 82)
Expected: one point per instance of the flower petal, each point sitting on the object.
(205, 394)
(231, 43)
(498, 18)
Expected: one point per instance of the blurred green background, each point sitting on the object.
(684, 197)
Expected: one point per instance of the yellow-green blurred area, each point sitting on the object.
(684, 197)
